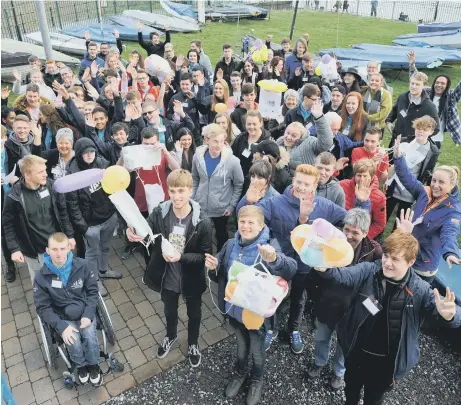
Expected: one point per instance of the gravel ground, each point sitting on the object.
(435, 380)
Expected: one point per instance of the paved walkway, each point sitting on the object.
(137, 315)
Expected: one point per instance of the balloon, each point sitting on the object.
(264, 53)
(251, 320)
(116, 178)
(230, 288)
(220, 107)
(256, 56)
(76, 181)
(235, 270)
(273, 85)
(326, 59)
(338, 252)
(231, 102)
(311, 256)
(324, 229)
(317, 70)
(298, 236)
(258, 44)
(157, 66)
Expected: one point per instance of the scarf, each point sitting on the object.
(305, 113)
(62, 272)
(24, 146)
(372, 103)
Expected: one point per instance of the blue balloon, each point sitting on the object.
(311, 256)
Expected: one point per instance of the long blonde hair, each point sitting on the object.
(225, 86)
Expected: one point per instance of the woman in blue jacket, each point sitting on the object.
(251, 245)
(437, 215)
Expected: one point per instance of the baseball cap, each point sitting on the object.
(339, 88)
(89, 149)
(266, 148)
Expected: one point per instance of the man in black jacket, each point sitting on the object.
(410, 105)
(33, 211)
(333, 299)
(180, 268)
(66, 297)
(91, 212)
(227, 64)
(155, 47)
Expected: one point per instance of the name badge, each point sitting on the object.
(56, 283)
(185, 104)
(246, 153)
(308, 126)
(44, 193)
(418, 221)
(403, 113)
(372, 305)
(305, 79)
(179, 230)
(161, 129)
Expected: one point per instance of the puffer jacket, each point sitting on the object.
(281, 214)
(438, 227)
(77, 300)
(283, 266)
(198, 242)
(378, 204)
(91, 205)
(364, 279)
(220, 191)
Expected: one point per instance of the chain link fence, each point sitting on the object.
(19, 17)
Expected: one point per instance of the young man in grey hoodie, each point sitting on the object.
(217, 180)
(328, 186)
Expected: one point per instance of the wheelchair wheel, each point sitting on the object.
(106, 322)
(47, 340)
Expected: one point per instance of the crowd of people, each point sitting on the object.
(238, 174)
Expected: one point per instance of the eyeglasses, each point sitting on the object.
(149, 112)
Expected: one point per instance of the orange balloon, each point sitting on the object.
(220, 107)
(251, 320)
(230, 288)
(340, 254)
(298, 236)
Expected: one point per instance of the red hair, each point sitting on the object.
(359, 118)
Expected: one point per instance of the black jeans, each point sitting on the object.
(393, 202)
(194, 312)
(373, 373)
(249, 343)
(301, 282)
(220, 226)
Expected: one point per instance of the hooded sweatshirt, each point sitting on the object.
(64, 271)
(221, 191)
(332, 191)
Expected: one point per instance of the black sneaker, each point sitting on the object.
(234, 386)
(165, 347)
(195, 358)
(127, 252)
(83, 375)
(10, 275)
(254, 392)
(95, 375)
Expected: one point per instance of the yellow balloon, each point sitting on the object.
(220, 107)
(116, 178)
(339, 254)
(256, 56)
(317, 70)
(299, 235)
(230, 288)
(273, 85)
(264, 53)
(251, 320)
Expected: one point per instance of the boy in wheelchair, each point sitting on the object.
(66, 297)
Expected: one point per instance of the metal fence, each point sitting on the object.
(20, 18)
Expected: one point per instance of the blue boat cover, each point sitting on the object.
(96, 35)
(427, 34)
(434, 27)
(185, 10)
(448, 55)
(449, 278)
(125, 33)
(387, 59)
(131, 23)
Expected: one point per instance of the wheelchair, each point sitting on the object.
(55, 347)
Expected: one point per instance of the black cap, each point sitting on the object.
(354, 72)
(339, 88)
(89, 149)
(266, 148)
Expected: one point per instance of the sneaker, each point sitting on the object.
(10, 275)
(102, 289)
(95, 375)
(195, 358)
(296, 342)
(110, 274)
(165, 347)
(234, 386)
(83, 375)
(315, 371)
(127, 252)
(254, 393)
(337, 382)
(270, 337)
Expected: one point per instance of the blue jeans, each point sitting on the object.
(249, 343)
(85, 350)
(97, 244)
(323, 336)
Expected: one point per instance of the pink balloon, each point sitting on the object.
(78, 180)
(326, 59)
(323, 228)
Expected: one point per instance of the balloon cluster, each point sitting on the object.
(327, 69)
(157, 66)
(250, 319)
(322, 245)
(258, 52)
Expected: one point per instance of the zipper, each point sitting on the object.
(401, 337)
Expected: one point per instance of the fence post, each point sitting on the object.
(436, 11)
(393, 9)
(18, 31)
(151, 8)
(75, 10)
(58, 12)
(294, 19)
(98, 11)
(358, 3)
(8, 23)
(115, 7)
